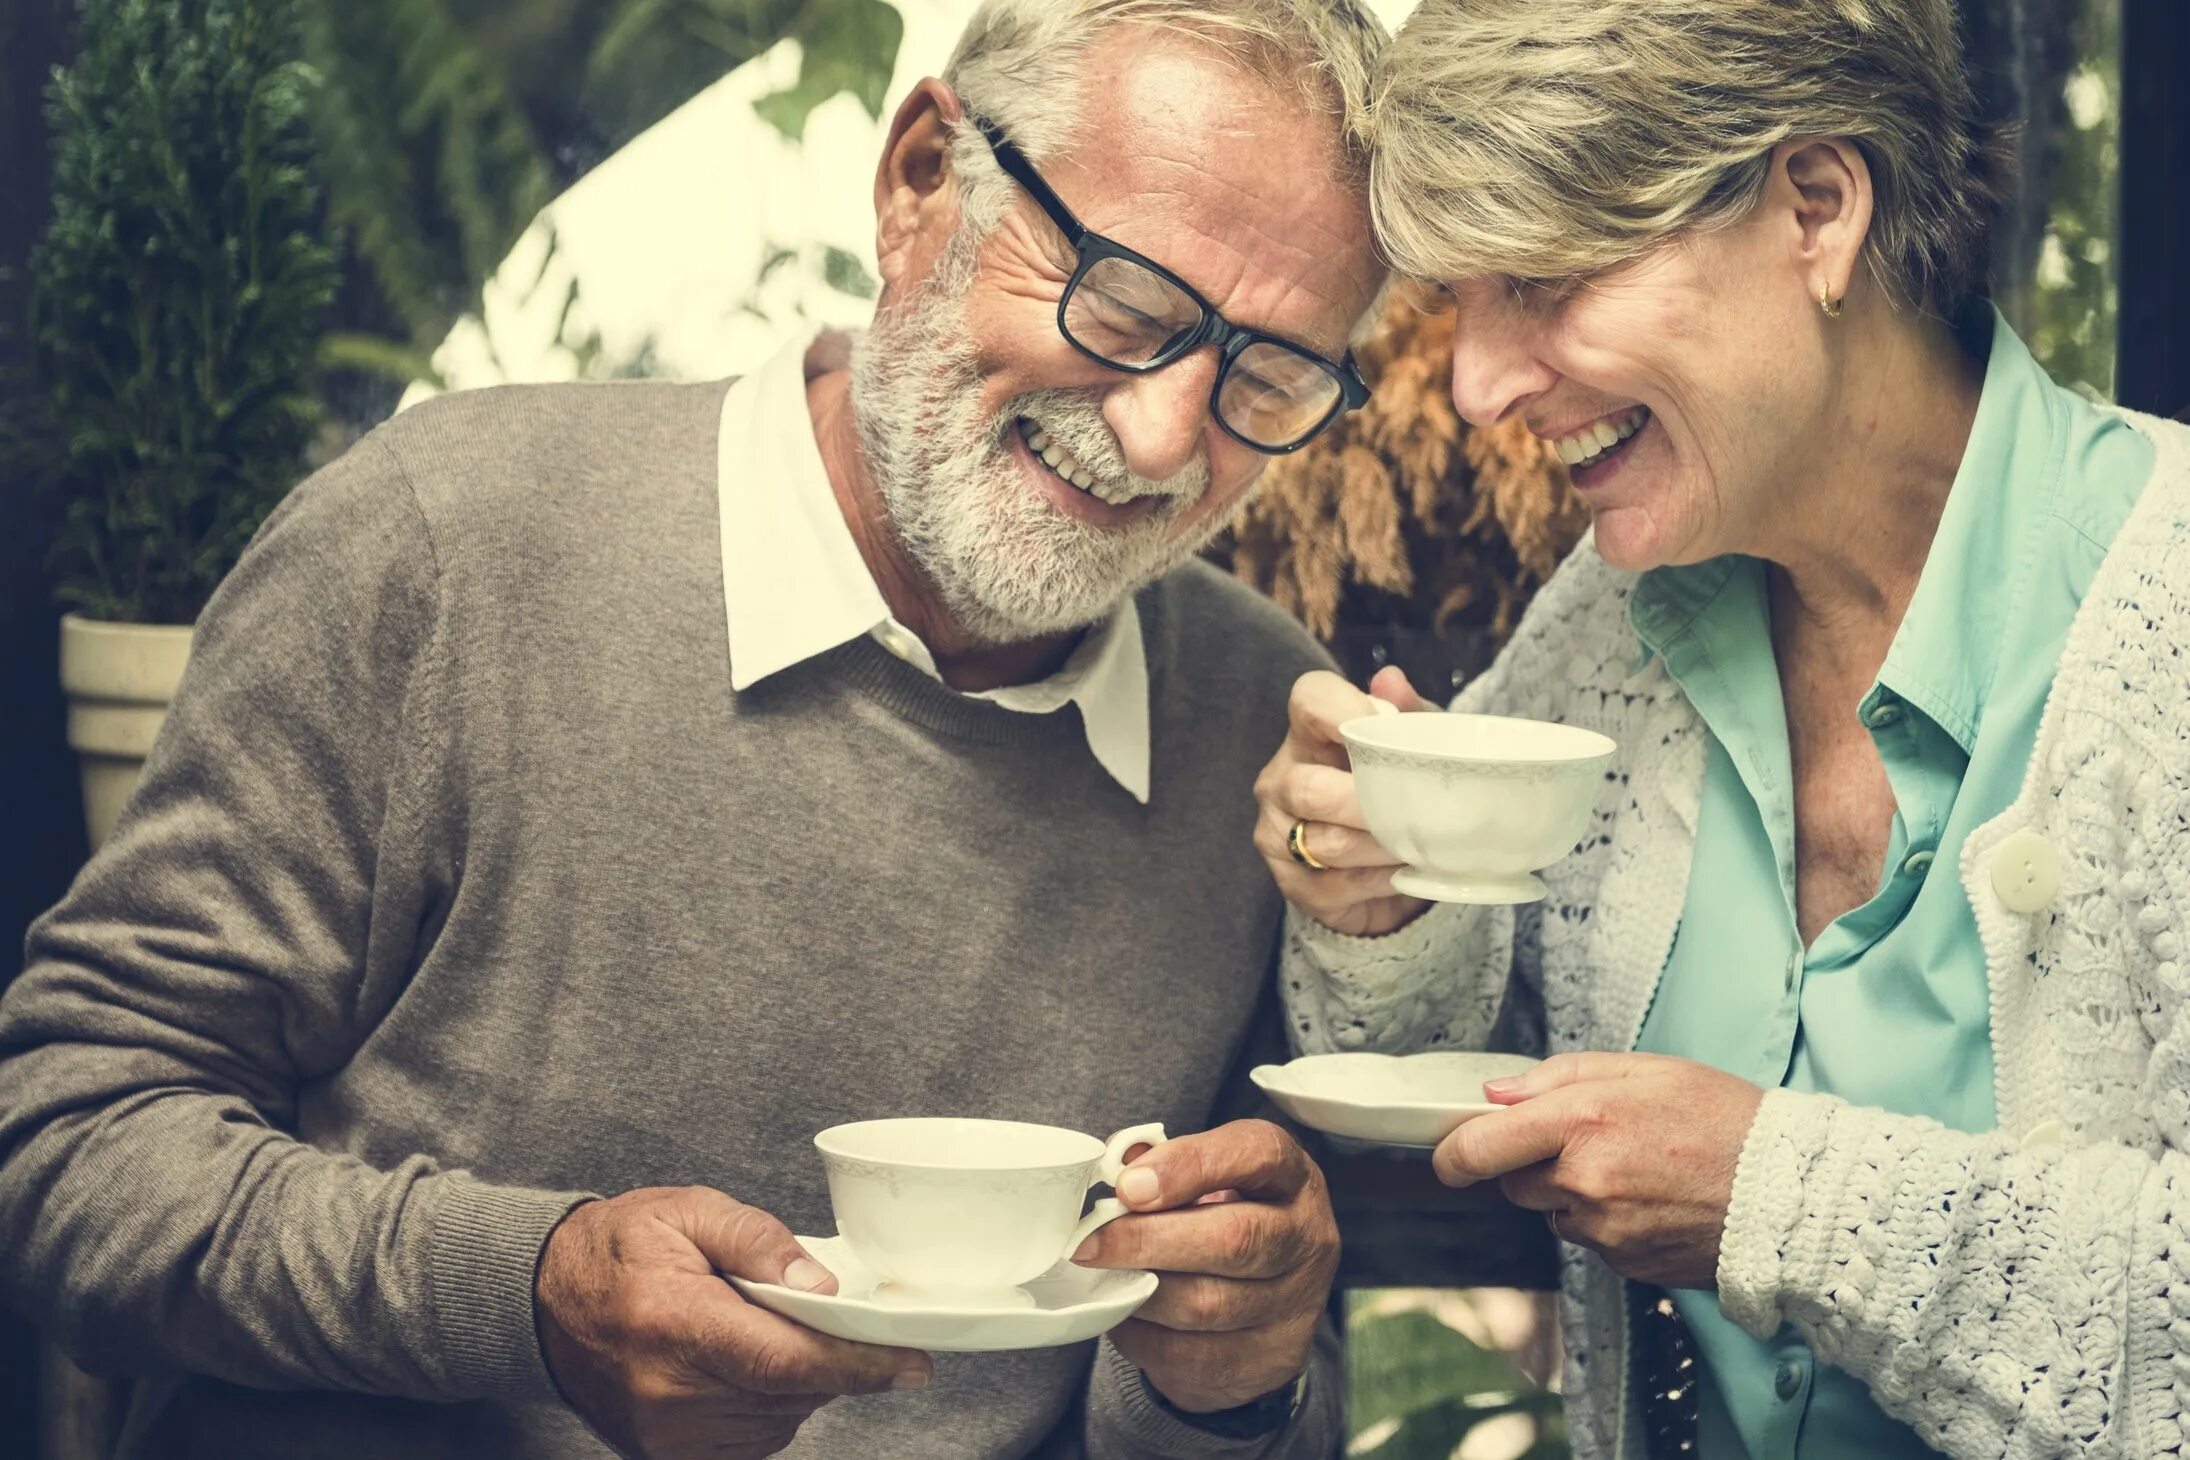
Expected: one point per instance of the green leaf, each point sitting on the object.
(844, 45)
(389, 359)
(845, 273)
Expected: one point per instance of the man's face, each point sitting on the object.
(1034, 487)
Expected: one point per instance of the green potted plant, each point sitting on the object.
(176, 309)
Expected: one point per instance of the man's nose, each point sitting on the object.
(1160, 418)
(1496, 366)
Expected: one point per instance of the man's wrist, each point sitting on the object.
(1265, 1414)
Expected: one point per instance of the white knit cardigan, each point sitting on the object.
(2020, 1293)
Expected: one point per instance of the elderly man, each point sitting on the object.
(601, 790)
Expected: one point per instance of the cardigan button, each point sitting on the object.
(2026, 872)
(2045, 1135)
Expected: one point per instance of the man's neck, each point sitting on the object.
(1848, 557)
(966, 665)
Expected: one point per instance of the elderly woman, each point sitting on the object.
(1866, 989)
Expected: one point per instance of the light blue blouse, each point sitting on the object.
(1890, 1006)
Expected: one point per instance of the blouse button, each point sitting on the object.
(2026, 872)
(1882, 714)
(1919, 863)
(1787, 1381)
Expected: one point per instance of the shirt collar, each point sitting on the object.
(795, 586)
(1945, 653)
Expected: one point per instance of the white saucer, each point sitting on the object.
(1393, 1100)
(1067, 1304)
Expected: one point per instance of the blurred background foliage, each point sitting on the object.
(446, 126)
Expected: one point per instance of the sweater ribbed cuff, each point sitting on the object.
(1119, 1403)
(1787, 1194)
(485, 1252)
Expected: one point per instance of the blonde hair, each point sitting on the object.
(1018, 64)
(1545, 140)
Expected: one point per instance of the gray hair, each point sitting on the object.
(1545, 140)
(1018, 64)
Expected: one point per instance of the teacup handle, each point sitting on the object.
(1109, 1209)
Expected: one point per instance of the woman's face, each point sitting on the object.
(1686, 389)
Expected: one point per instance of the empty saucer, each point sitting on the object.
(1067, 1304)
(1392, 1100)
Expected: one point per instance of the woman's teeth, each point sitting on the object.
(1585, 446)
(1060, 461)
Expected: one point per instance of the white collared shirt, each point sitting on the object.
(795, 585)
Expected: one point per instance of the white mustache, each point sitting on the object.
(1079, 427)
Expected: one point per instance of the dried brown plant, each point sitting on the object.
(1403, 513)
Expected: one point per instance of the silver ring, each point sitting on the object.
(1552, 1218)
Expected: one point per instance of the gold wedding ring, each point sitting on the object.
(1296, 844)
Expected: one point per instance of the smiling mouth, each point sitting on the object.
(1599, 441)
(1065, 467)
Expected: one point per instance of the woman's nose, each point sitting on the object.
(1495, 367)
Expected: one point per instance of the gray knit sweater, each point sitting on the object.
(461, 884)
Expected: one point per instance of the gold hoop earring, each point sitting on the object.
(1825, 301)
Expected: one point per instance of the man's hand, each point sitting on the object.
(1635, 1152)
(662, 1357)
(1238, 1223)
(1311, 780)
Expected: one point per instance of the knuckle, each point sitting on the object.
(745, 1228)
(1297, 789)
(772, 1368)
(1207, 1305)
(1243, 1243)
(1587, 1181)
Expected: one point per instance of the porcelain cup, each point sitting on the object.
(962, 1206)
(1476, 805)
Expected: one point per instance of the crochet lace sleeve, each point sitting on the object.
(1999, 1300)
(1437, 982)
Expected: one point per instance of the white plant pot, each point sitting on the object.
(120, 679)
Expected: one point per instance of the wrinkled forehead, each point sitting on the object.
(1234, 182)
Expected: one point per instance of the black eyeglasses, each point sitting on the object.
(1132, 314)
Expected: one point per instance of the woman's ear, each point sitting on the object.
(915, 194)
(1822, 187)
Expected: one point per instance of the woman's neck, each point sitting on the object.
(1849, 552)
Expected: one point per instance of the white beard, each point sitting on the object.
(1007, 564)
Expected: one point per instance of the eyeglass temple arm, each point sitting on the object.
(1013, 161)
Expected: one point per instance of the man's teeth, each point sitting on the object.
(1061, 462)
(1592, 441)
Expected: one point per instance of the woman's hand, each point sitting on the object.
(1310, 780)
(1634, 1152)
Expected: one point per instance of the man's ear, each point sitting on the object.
(1821, 187)
(915, 193)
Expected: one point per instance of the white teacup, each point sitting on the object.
(959, 1206)
(1476, 805)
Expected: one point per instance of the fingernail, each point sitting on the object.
(1084, 1251)
(1502, 1087)
(1138, 1186)
(805, 1273)
(910, 1379)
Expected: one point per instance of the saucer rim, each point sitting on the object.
(1141, 1282)
(1409, 1107)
